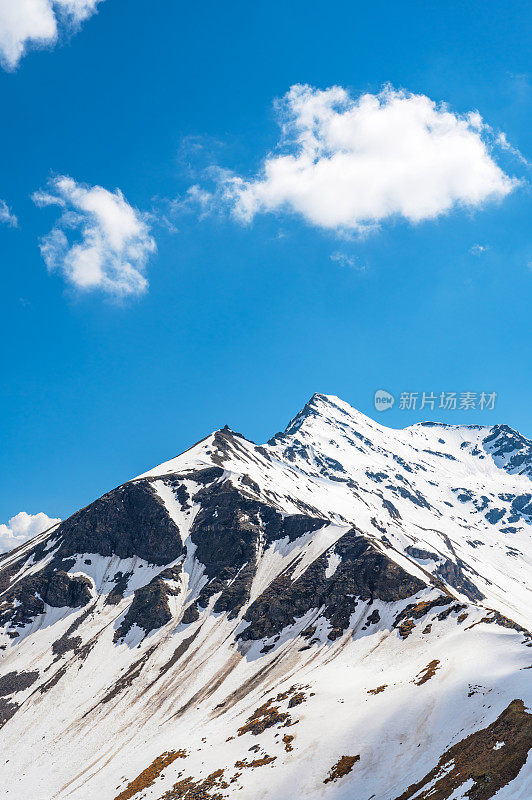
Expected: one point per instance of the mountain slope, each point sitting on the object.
(340, 613)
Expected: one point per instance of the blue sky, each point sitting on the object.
(243, 321)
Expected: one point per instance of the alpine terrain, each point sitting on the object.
(341, 613)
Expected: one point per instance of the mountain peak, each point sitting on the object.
(343, 577)
(329, 410)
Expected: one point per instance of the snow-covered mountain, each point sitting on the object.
(340, 613)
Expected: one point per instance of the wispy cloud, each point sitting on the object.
(22, 527)
(100, 242)
(348, 164)
(345, 260)
(37, 23)
(478, 249)
(504, 144)
(6, 215)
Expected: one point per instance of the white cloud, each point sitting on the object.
(196, 199)
(478, 249)
(504, 144)
(347, 261)
(22, 527)
(26, 23)
(347, 164)
(113, 239)
(6, 215)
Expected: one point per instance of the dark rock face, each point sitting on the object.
(62, 589)
(16, 682)
(27, 598)
(391, 509)
(132, 520)
(247, 481)
(7, 574)
(191, 614)
(423, 555)
(129, 521)
(228, 525)
(364, 574)
(150, 608)
(453, 573)
(7, 710)
(521, 509)
(414, 496)
(117, 592)
(510, 450)
(228, 531)
(374, 618)
(10, 684)
(495, 515)
(200, 476)
(67, 642)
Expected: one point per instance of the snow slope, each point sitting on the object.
(339, 613)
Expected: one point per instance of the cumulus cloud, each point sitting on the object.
(6, 215)
(347, 164)
(26, 23)
(478, 249)
(100, 243)
(22, 527)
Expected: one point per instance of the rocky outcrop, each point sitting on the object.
(364, 574)
(486, 760)
(423, 555)
(510, 450)
(10, 684)
(29, 596)
(228, 532)
(129, 521)
(453, 573)
(7, 710)
(14, 682)
(150, 608)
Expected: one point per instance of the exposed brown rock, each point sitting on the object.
(266, 716)
(258, 762)
(297, 699)
(342, 767)
(190, 789)
(287, 741)
(474, 758)
(427, 673)
(148, 776)
(405, 620)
